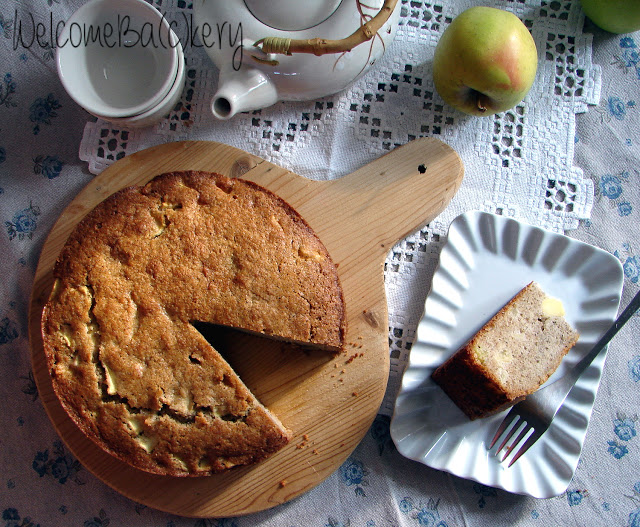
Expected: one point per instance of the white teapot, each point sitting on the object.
(271, 50)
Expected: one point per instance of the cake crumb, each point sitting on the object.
(355, 394)
(283, 483)
(515, 352)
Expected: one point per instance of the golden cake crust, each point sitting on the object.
(125, 360)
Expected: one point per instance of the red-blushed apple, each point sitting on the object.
(485, 61)
(615, 16)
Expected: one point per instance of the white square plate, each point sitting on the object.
(486, 260)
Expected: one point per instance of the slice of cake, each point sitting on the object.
(126, 361)
(510, 357)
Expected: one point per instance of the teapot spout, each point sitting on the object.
(241, 91)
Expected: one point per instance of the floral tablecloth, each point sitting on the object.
(566, 159)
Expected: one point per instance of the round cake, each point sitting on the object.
(126, 361)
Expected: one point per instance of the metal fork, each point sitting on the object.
(537, 410)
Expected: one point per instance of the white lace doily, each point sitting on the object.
(518, 163)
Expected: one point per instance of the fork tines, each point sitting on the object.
(524, 427)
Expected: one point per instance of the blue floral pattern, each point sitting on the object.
(13, 519)
(630, 263)
(380, 432)
(611, 186)
(23, 223)
(219, 522)
(624, 428)
(574, 497)
(632, 268)
(425, 515)
(484, 492)
(634, 515)
(43, 110)
(618, 108)
(617, 450)
(48, 166)
(7, 89)
(354, 474)
(332, 522)
(625, 208)
(58, 464)
(8, 330)
(634, 368)
(6, 27)
(101, 520)
(29, 387)
(629, 59)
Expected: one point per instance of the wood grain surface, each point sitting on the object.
(328, 402)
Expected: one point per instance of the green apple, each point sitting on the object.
(615, 16)
(485, 62)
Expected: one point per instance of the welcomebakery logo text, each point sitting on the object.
(122, 32)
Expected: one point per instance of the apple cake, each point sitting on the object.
(510, 357)
(125, 359)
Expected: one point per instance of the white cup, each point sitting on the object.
(117, 58)
(159, 111)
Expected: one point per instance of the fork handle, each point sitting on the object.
(606, 338)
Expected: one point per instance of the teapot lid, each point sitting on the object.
(292, 15)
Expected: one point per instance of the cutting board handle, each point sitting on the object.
(380, 203)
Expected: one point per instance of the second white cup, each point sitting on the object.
(117, 58)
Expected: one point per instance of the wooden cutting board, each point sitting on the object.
(328, 402)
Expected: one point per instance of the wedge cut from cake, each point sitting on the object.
(126, 361)
(510, 357)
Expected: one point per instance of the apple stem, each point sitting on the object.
(480, 102)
